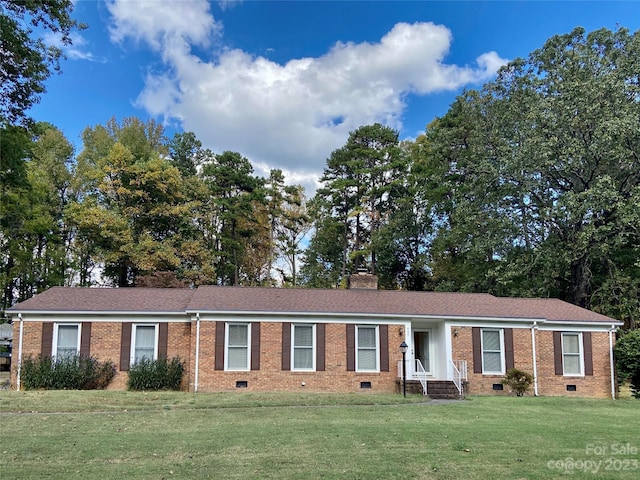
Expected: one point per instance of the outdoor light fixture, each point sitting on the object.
(403, 349)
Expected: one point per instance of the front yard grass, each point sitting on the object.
(173, 435)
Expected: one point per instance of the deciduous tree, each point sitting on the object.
(542, 173)
(26, 61)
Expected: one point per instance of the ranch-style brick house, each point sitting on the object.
(326, 340)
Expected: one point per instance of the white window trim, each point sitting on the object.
(482, 350)
(377, 348)
(580, 354)
(226, 347)
(54, 348)
(313, 347)
(134, 329)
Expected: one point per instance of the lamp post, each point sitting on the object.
(403, 349)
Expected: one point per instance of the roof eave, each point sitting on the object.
(96, 312)
(272, 313)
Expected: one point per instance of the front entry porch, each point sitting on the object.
(418, 380)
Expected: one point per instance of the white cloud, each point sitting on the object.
(159, 21)
(227, 4)
(76, 51)
(289, 116)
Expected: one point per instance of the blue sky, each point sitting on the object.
(283, 83)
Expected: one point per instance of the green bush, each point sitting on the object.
(518, 380)
(161, 374)
(68, 373)
(627, 354)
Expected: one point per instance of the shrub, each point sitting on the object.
(627, 354)
(518, 380)
(68, 373)
(161, 374)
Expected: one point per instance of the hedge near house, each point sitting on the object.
(160, 374)
(627, 353)
(67, 373)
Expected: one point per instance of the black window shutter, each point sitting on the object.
(557, 352)
(477, 350)
(255, 346)
(351, 348)
(47, 339)
(85, 340)
(384, 348)
(588, 353)
(320, 347)
(286, 346)
(125, 347)
(508, 348)
(163, 339)
(219, 345)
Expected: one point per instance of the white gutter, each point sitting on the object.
(448, 350)
(387, 316)
(197, 365)
(19, 351)
(534, 327)
(611, 366)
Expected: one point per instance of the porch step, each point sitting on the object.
(442, 389)
(436, 389)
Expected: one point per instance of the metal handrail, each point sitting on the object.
(462, 367)
(459, 374)
(415, 370)
(422, 375)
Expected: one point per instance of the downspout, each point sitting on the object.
(611, 366)
(19, 351)
(534, 327)
(195, 377)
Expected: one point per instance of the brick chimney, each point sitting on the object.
(363, 281)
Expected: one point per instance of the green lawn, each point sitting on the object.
(125, 435)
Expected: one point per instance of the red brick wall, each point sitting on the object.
(31, 344)
(271, 377)
(105, 345)
(596, 385)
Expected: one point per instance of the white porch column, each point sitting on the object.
(448, 350)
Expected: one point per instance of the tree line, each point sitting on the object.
(133, 204)
(528, 186)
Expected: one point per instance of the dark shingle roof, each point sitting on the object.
(73, 299)
(214, 299)
(386, 302)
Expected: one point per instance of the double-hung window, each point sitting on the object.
(303, 347)
(572, 361)
(367, 351)
(67, 340)
(144, 343)
(237, 342)
(492, 351)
